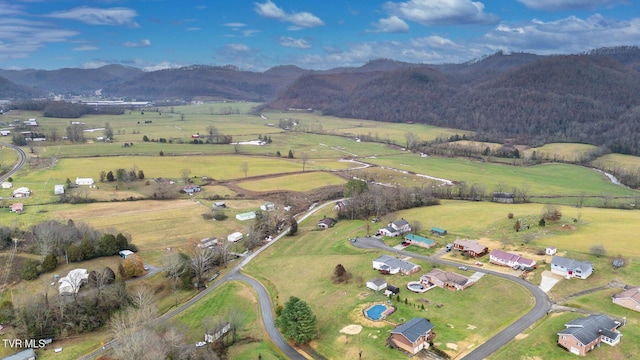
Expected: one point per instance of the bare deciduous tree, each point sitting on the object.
(174, 266)
(200, 260)
(244, 167)
(185, 174)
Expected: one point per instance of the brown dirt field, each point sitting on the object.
(351, 329)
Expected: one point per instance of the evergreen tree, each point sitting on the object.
(74, 253)
(50, 262)
(293, 226)
(297, 322)
(122, 242)
(278, 153)
(88, 250)
(110, 176)
(108, 245)
(290, 156)
(30, 269)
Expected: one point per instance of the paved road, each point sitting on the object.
(541, 308)
(22, 159)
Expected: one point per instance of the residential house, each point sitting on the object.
(388, 231)
(413, 336)
(438, 231)
(571, 268)
(235, 237)
(71, 283)
(551, 250)
(420, 241)
(584, 334)
(470, 247)
(401, 226)
(7, 185)
(389, 265)
(17, 208)
(515, 261)
(28, 354)
(218, 332)
(21, 192)
(58, 189)
(5, 132)
(246, 216)
(377, 284)
(445, 280)
(268, 206)
(208, 242)
(629, 298)
(341, 205)
(326, 223)
(84, 181)
(191, 189)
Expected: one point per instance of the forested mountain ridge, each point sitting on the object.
(592, 98)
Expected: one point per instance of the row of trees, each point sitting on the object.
(122, 175)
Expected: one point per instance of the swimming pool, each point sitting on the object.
(375, 312)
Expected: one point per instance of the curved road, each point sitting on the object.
(541, 308)
(22, 159)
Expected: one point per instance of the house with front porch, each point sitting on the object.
(389, 265)
(445, 280)
(584, 334)
(401, 226)
(413, 336)
(515, 261)
(570, 268)
(470, 247)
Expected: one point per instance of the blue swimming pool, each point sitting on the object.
(375, 312)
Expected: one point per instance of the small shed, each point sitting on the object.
(392, 290)
(219, 204)
(17, 208)
(84, 181)
(268, 206)
(7, 185)
(438, 231)
(377, 284)
(125, 253)
(551, 250)
(326, 223)
(235, 237)
(58, 189)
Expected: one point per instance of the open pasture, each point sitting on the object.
(564, 152)
(297, 182)
(8, 157)
(617, 162)
(545, 179)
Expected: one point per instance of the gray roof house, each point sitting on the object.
(27, 354)
(413, 336)
(389, 264)
(571, 268)
(584, 334)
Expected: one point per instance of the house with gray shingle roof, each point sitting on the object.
(413, 336)
(584, 334)
(377, 284)
(389, 265)
(630, 298)
(571, 268)
(445, 280)
(515, 261)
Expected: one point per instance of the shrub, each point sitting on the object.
(30, 269)
(219, 215)
(50, 262)
(510, 216)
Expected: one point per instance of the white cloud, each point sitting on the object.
(85, 48)
(162, 66)
(294, 43)
(441, 12)
(237, 47)
(392, 24)
(301, 19)
(139, 44)
(234, 24)
(19, 38)
(193, 28)
(555, 5)
(434, 42)
(568, 35)
(96, 16)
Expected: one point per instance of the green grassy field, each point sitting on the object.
(297, 182)
(565, 152)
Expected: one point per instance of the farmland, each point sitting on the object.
(308, 259)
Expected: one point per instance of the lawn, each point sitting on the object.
(233, 296)
(297, 182)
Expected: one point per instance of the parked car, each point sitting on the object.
(406, 243)
(146, 267)
(449, 247)
(464, 268)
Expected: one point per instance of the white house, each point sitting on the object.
(402, 226)
(551, 250)
(7, 185)
(377, 284)
(268, 206)
(124, 253)
(58, 189)
(84, 181)
(388, 231)
(235, 237)
(246, 216)
(390, 265)
(21, 192)
(503, 258)
(71, 283)
(571, 268)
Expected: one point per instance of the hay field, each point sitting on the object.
(568, 152)
(545, 179)
(615, 162)
(297, 182)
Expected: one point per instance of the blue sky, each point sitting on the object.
(312, 34)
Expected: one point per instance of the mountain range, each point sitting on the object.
(593, 97)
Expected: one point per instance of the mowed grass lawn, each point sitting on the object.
(297, 182)
(303, 265)
(232, 296)
(545, 179)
